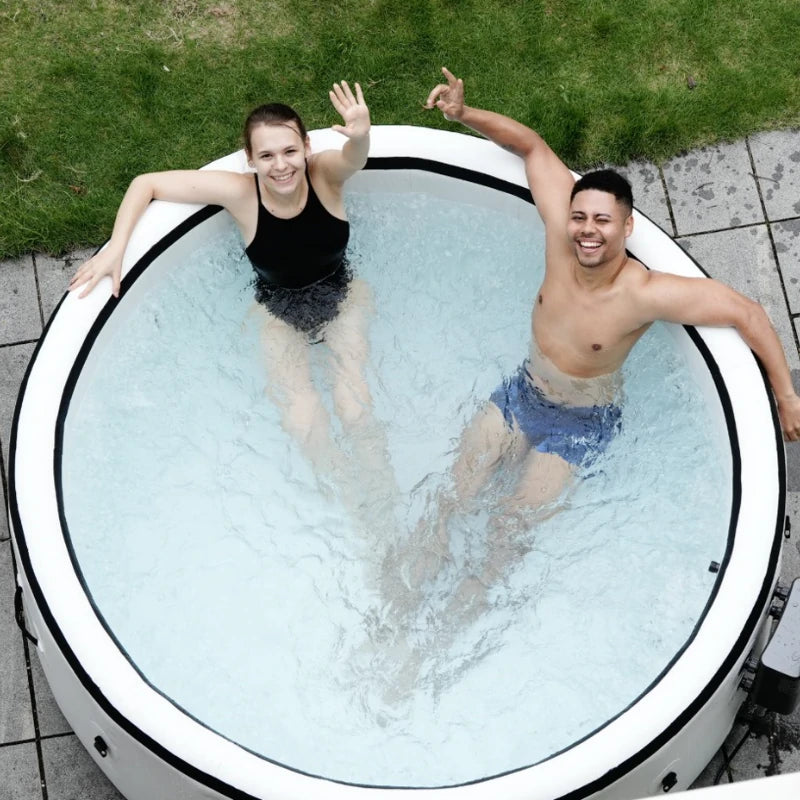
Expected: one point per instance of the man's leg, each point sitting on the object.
(409, 564)
(543, 479)
(484, 443)
(544, 476)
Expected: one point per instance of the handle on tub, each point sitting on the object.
(19, 613)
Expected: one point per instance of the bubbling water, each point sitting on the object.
(276, 603)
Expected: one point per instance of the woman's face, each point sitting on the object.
(278, 153)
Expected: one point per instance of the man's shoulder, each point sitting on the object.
(635, 268)
(634, 276)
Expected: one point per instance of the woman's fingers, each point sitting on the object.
(82, 274)
(337, 103)
(348, 93)
(344, 94)
(88, 284)
(89, 274)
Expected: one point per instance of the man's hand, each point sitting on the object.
(789, 413)
(353, 109)
(449, 97)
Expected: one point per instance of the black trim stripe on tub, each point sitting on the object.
(482, 179)
(157, 748)
(451, 171)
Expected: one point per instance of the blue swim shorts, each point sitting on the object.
(579, 434)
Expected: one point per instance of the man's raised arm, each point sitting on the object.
(549, 178)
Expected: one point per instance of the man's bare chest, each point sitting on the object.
(586, 333)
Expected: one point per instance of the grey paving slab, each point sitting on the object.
(753, 760)
(13, 363)
(776, 156)
(790, 564)
(54, 274)
(743, 259)
(787, 744)
(16, 717)
(71, 774)
(711, 774)
(48, 714)
(649, 196)
(19, 773)
(712, 188)
(793, 467)
(787, 245)
(20, 319)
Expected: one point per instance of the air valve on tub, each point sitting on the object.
(776, 683)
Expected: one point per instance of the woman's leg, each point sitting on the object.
(346, 335)
(373, 476)
(291, 387)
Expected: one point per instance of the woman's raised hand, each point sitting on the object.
(353, 110)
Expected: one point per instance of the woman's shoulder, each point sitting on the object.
(228, 180)
(324, 168)
(232, 188)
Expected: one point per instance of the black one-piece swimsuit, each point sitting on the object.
(302, 274)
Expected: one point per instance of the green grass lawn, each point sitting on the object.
(95, 91)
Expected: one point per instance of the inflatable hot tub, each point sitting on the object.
(152, 748)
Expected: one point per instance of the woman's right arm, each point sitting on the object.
(226, 189)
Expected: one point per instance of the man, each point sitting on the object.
(593, 306)
(558, 413)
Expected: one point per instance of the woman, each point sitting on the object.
(291, 215)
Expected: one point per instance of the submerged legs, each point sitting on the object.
(488, 442)
(292, 389)
(366, 478)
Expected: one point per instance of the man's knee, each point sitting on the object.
(488, 438)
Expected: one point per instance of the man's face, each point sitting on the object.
(598, 226)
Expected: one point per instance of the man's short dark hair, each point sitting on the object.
(606, 180)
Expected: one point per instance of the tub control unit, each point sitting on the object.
(777, 681)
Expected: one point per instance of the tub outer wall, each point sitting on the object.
(626, 759)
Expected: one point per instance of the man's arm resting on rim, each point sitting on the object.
(703, 301)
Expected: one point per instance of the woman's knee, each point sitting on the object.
(303, 414)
